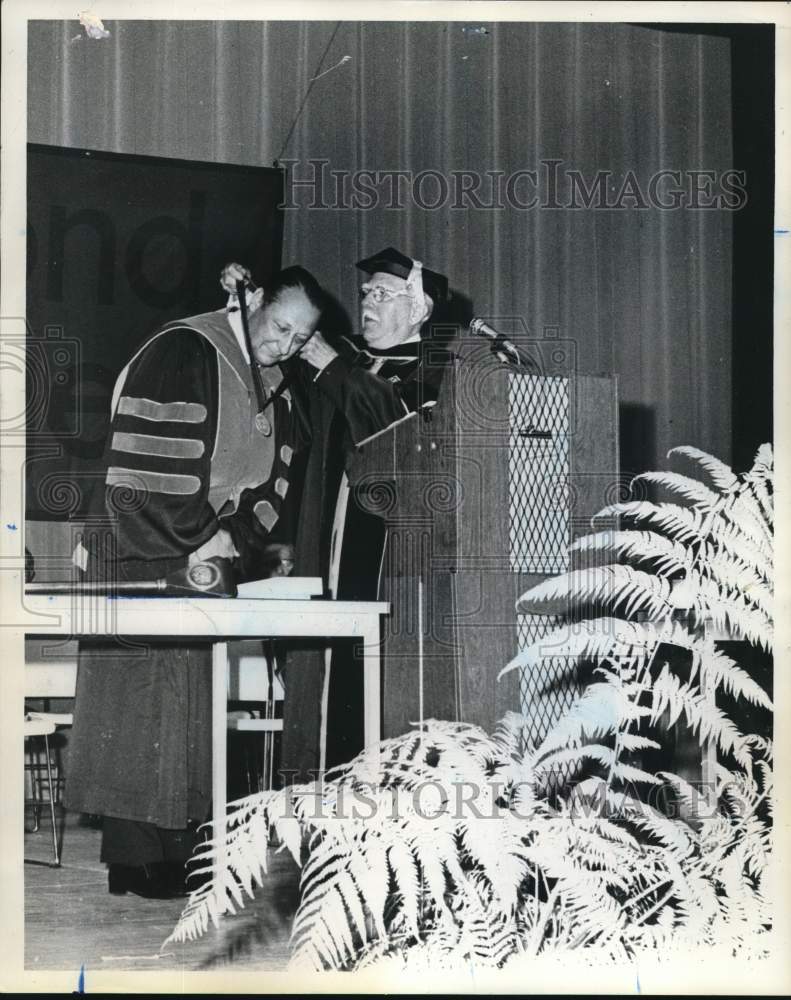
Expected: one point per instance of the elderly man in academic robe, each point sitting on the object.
(395, 378)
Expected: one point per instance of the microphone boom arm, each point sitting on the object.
(505, 349)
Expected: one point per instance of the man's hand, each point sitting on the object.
(219, 545)
(278, 560)
(232, 273)
(317, 352)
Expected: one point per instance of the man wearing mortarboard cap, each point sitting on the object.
(395, 377)
(390, 379)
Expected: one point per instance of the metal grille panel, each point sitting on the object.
(540, 527)
(545, 693)
(538, 460)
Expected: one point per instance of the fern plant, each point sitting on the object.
(444, 847)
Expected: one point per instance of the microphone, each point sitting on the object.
(249, 285)
(505, 350)
(255, 372)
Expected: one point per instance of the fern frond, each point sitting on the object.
(486, 934)
(733, 576)
(720, 671)
(758, 481)
(559, 760)
(691, 489)
(632, 775)
(602, 843)
(509, 733)
(726, 611)
(744, 512)
(602, 708)
(624, 643)
(597, 638)
(763, 464)
(730, 537)
(245, 839)
(669, 694)
(321, 937)
(588, 907)
(722, 476)
(708, 560)
(436, 851)
(633, 742)
(406, 875)
(289, 833)
(669, 556)
(496, 847)
(680, 523)
(674, 835)
(612, 586)
(693, 804)
(593, 797)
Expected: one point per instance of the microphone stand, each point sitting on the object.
(260, 394)
(505, 350)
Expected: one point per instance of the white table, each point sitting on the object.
(218, 620)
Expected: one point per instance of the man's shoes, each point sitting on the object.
(158, 880)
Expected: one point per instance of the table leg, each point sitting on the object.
(371, 686)
(324, 708)
(219, 709)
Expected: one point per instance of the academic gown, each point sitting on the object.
(141, 741)
(363, 393)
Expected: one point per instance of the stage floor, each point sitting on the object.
(71, 921)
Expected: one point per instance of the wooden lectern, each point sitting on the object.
(481, 495)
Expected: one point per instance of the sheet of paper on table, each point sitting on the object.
(284, 588)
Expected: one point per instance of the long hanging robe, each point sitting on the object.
(185, 456)
(370, 392)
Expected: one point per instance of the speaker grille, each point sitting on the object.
(545, 694)
(538, 470)
(540, 527)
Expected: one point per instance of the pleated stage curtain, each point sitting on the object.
(641, 291)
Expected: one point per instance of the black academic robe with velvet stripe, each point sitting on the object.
(373, 389)
(362, 393)
(141, 742)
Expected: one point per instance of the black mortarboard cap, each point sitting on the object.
(392, 261)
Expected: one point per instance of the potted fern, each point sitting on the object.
(449, 847)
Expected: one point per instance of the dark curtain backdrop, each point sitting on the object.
(645, 294)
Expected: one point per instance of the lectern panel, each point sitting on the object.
(480, 500)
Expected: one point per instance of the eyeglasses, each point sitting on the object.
(381, 294)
